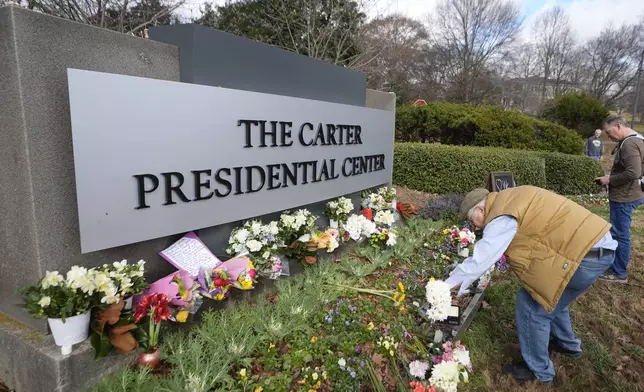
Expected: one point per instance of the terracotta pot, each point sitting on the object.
(150, 359)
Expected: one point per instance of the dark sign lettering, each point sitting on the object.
(206, 183)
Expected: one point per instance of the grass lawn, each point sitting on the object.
(609, 319)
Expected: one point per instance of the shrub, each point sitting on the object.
(578, 111)
(572, 174)
(443, 208)
(485, 126)
(436, 168)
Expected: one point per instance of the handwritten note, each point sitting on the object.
(190, 254)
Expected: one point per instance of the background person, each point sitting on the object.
(556, 248)
(594, 146)
(624, 191)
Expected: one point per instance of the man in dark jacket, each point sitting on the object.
(624, 190)
(594, 146)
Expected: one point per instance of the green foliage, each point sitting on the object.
(435, 168)
(572, 174)
(486, 126)
(578, 111)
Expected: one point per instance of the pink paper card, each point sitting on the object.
(190, 254)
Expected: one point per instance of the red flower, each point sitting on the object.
(155, 305)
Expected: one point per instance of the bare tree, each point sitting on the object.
(401, 62)
(126, 16)
(469, 35)
(612, 60)
(554, 43)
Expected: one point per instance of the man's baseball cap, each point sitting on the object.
(472, 199)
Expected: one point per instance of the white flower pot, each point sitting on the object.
(333, 224)
(73, 331)
(464, 252)
(128, 303)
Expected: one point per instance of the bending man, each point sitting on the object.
(556, 248)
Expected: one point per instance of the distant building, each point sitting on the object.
(525, 93)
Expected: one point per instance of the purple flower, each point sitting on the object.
(347, 323)
(353, 374)
(358, 349)
(362, 363)
(329, 319)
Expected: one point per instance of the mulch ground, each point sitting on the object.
(411, 196)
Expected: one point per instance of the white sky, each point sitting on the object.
(588, 17)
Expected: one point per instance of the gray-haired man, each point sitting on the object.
(624, 190)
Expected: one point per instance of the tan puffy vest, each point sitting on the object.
(554, 234)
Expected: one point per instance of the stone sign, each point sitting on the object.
(181, 157)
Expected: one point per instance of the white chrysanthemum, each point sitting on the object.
(445, 376)
(385, 218)
(44, 302)
(254, 245)
(52, 279)
(418, 369)
(439, 299)
(391, 241)
(287, 220)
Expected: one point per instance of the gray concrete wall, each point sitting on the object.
(39, 225)
(214, 58)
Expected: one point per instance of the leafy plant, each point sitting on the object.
(57, 297)
(484, 125)
(432, 168)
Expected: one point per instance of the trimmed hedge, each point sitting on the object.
(485, 126)
(436, 168)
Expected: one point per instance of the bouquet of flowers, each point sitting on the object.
(389, 194)
(128, 279)
(460, 238)
(439, 299)
(358, 227)
(384, 218)
(338, 211)
(374, 201)
(327, 239)
(383, 237)
(448, 365)
(292, 226)
(296, 231)
(183, 292)
(214, 283)
(256, 240)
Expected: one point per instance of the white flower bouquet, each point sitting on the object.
(338, 210)
(260, 242)
(357, 228)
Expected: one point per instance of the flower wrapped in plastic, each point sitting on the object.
(214, 283)
(182, 290)
(439, 299)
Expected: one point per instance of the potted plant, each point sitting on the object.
(157, 308)
(338, 210)
(66, 303)
(128, 279)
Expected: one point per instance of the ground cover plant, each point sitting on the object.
(350, 324)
